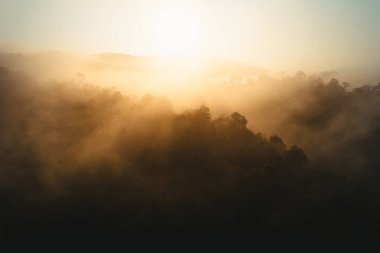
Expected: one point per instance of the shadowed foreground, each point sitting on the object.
(78, 160)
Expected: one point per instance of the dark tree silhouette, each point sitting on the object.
(78, 157)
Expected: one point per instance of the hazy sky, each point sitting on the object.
(277, 34)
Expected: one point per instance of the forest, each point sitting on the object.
(80, 159)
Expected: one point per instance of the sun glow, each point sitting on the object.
(177, 32)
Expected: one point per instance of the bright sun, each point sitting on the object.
(177, 32)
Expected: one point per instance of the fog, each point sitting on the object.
(117, 144)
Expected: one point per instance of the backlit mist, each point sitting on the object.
(122, 118)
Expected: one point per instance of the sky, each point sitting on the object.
(290, 35)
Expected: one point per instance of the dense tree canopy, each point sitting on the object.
(76, 157)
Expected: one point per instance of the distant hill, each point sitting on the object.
(119, 68)
(59, 65)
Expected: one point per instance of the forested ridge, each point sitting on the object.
(76, 157)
